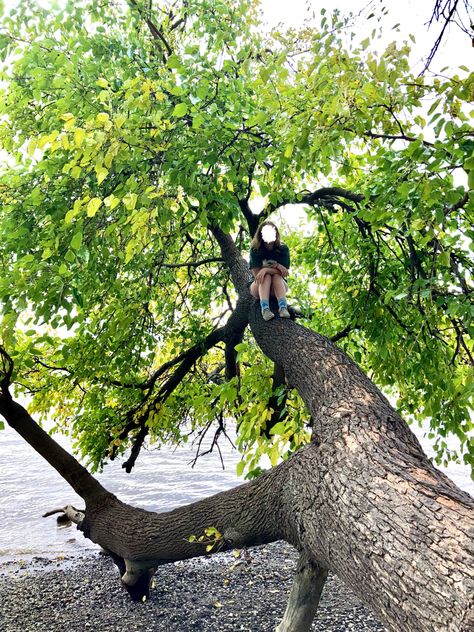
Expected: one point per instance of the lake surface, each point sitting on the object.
(161, 480)
(29, 486)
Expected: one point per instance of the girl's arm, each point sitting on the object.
(260, 273)
(282, 270)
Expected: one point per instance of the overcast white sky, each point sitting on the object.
(413, 16)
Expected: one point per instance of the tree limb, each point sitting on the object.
(230, 333)
(276, 402)
(6, 372)
(156, 33)
(192, 264)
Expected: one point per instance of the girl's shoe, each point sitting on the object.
(284, 313)
(267, 313)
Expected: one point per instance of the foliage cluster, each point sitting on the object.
(130, 130)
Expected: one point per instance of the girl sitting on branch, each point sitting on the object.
(269, 263)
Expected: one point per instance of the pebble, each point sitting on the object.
(204, 594)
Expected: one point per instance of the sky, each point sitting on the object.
(412, 15)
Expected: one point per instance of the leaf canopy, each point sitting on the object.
(128, 131)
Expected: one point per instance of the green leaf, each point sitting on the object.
(444, 258)
(76, 241)
(278, 429)
(173, 61)
(198, 120)
(180, 109)
(470, 179)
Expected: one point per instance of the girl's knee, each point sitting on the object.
(278, 283)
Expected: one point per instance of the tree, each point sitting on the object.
(139, 140)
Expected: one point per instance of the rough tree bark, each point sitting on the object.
(361, 500)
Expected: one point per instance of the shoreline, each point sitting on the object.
(211, 594)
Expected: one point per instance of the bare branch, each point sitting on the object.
(439, 12)
(69, 512)
(138, 416)
(193, 264)
(342, 334)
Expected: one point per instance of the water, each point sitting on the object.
(161, 480)
(29, 486)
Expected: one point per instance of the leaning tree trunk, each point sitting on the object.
(361, 500)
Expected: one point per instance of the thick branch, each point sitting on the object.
(71, 470)
(321, 195)
(251, 219)
(277, 401)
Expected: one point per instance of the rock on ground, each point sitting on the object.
(206, 594)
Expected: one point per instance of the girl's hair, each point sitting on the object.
(257, 241)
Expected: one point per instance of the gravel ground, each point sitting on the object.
(78, 595)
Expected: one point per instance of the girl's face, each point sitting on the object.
(269, 234)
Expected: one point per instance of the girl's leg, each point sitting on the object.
(262, 291)
(279, 289)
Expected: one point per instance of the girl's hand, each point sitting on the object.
(282, 270)
(260, 275)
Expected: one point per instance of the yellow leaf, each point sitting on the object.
(67, 116)
(76, 209)
(289, 151)
(93, 207)
(76, 172)
(79, 136)
(130, 249)
(32, 147)
(230, 186)
(120, 120)
(102, 117)
(69, 124)
(111, 201)
(102, 82)
(130, 201)
(42, 140)
(101, 174)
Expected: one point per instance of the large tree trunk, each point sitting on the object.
(361, 500)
